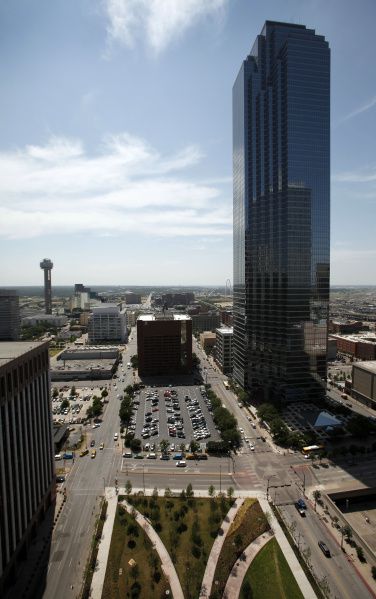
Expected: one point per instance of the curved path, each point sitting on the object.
(167, 565)
(216, 549)
(235, 580)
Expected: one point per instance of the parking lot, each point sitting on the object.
(75, 413)
(176, 414)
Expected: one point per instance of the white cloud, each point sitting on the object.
(159, 21)
(363, 108)
(364, 175)
(126, 187)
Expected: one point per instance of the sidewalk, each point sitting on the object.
(296, 569)
(235, 580)
(211, 565)
(104, 545)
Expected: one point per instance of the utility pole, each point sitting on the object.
(143, 478)
(220, 479)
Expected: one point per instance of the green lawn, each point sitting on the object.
(269, 576)
(249, 523)
(187, 528)
(144, 581)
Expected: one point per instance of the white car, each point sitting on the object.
(251, 447)
(116, 436)
(181, 464)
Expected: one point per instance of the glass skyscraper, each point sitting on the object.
(281, 169)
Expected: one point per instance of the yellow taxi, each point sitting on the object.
(93, 454)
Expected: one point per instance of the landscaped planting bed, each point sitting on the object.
(269, 576)
(187, 527)
(146, 578)
(249, 523)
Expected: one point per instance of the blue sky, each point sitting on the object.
(116, 141)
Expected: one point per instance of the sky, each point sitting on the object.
(116, 136)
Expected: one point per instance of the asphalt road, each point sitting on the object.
(343, 581)
(84, 486)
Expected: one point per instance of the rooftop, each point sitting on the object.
(225, 330)
(152, 317)
(369, 366)
(10, 350)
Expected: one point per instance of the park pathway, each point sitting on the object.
(239, 570)
(216, 549)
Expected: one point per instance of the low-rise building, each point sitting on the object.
(223, 349)
(207, 340)
(206, 321)
(361, 346)
(107, 323)
(164, 344)
(364, 383)
(132, 298)
(49, 319)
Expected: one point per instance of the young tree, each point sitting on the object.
(194, 446)
(189, 490)
(168, 492)
(128, 488)
(73, 391)
(316, 496)
(55, 392)
(104, 393)
(230, 492)
(164, 445)
(211, 491)
(155, 492)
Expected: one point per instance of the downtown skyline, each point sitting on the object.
(116, 147)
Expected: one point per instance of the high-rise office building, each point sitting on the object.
(9, 315)
(281, 169)
(46, 265)
(107, 323)
(26, 450)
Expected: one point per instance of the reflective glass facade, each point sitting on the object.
(281, 169)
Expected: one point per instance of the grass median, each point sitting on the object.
(187, 527)
(144, 578)
(269, 576)
(249, 523)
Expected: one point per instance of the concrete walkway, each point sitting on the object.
(296, 569)
(167, 565)
(235, 580)
(104, 545)
(216, 549)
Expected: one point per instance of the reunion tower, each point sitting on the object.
(47, 266)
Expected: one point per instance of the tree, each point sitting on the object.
(64, 404)
(360, 554)
(129, 390)
(104, 393)
(230, 492)
(316, 496)
(128, 488)
(189, 490)
(135, 445)
(73, 391)
(211, 491)
(168, 492)
(134, 361)
(164, 445)
(55, 393)
(182, 446)
(194, 446)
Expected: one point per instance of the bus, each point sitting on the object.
(226, 385)
(311, 448)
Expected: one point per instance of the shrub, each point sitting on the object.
(131, 544)
(158, 527)
(373, 570)
(360, 554)
(157, 576)
(196, 552)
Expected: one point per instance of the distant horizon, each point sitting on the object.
(130, 286)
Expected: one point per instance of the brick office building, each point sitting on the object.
(164, 344)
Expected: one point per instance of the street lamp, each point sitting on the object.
(143, 477)
(220, 479)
